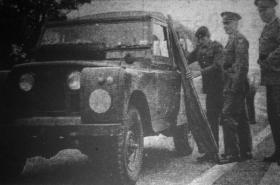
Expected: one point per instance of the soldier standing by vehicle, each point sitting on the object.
(209, 54)
(237, 136)
(269, 61)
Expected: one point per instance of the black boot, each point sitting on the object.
(208, 158)
(246, 156)
(205, 158)
(229, 159)
(273, 158)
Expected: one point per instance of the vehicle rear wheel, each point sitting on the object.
(183, 140)
(129, 151)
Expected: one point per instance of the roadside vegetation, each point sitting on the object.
(21, 23)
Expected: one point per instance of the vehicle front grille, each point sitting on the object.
(49, 91)
(50, 95)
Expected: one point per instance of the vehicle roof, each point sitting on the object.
(114, 16)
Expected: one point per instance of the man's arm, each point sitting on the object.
(272, 62)
(217, 62)
(192, 57)
(241, 64)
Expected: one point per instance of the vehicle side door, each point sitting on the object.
(168, 81)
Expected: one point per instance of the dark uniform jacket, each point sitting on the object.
(210, 59)
(269, 53)
(236, 64)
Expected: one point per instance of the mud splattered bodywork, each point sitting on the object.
(89, 78)
(158, 89)
(144, 70)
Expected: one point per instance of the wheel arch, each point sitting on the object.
(139, 100)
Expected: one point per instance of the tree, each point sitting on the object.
(21, 22)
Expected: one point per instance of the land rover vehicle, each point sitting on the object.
(98, 83)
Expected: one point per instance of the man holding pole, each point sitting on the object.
(209, 55)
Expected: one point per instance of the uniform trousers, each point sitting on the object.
(273, 112)
(214, 105)
(236, 129)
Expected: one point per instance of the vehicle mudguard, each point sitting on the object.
(94, 82)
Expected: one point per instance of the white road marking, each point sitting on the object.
(272, 176)
(214, 173)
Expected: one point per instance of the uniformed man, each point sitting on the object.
(209, 55)
(237, 136)
(269, 61)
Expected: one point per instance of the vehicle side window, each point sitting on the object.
(159, 41)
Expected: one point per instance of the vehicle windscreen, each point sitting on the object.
(103, 35)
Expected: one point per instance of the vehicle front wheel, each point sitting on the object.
(129, 150)
(183, 140)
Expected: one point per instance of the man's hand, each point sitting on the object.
(195, 69)
(263, 64)
(196, 74)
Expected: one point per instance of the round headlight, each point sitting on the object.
(26, 82)
(100, 101)
(74, 80)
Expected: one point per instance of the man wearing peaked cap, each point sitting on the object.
(237, 136)
(266, 3)
(269, 61)
(230, 16)
(209, 55)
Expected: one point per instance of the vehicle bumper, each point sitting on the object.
(46, 136)
(64, 126)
